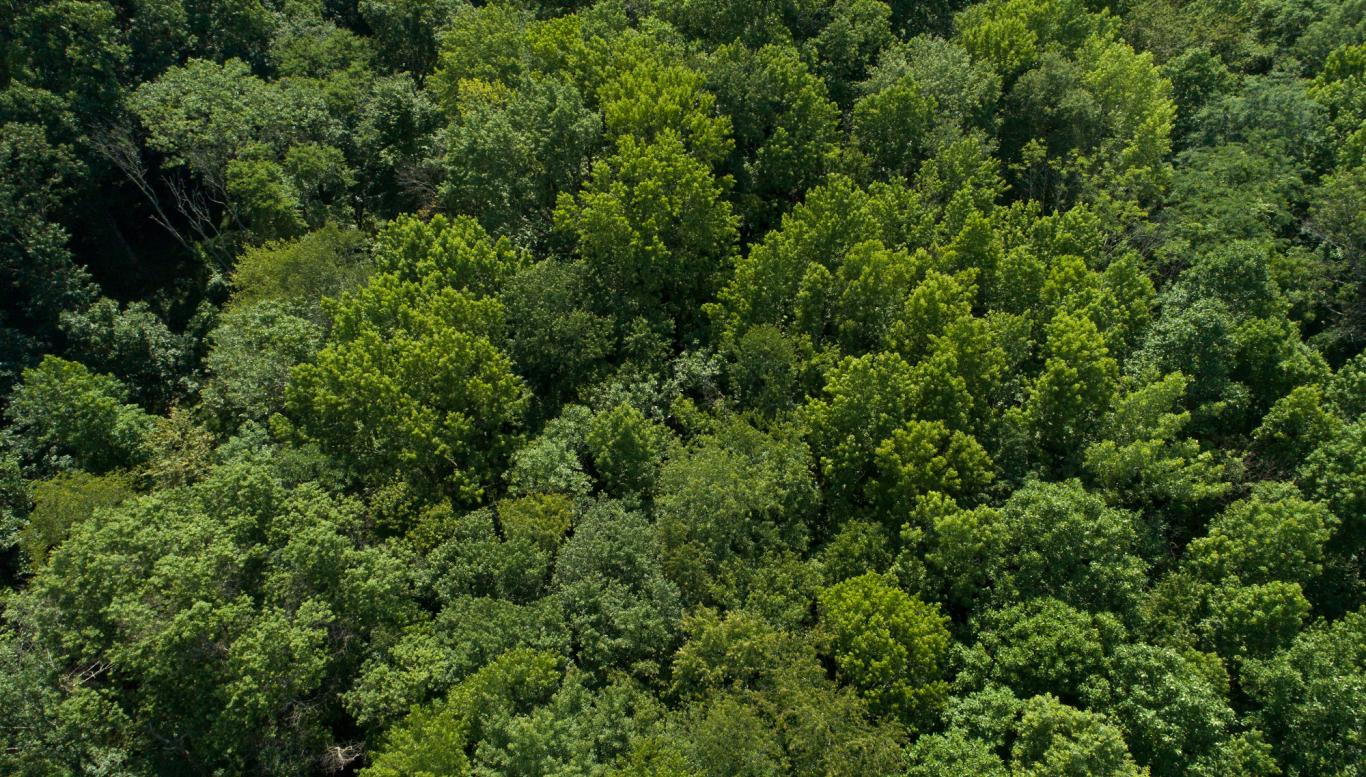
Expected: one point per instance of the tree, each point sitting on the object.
(767, 279)
(51, 731)
(322, 263)
(853, 304)
(740, 652)
(853, 34)
(135, 345)
(1336, 474)
(625, 448)
(1072, 546)
(866, 399)
(508, 159)
(699, 388)
(1169, 706)
(718, 22)
(63, 416)
(1055, 739)
(1273, 535)
(936, 304)
(1345, 390)
(438, 738)
(963, 91)
(923, 457)
(201, 113)
(473, 556)
(1334, 213)
(406, 30)
(963, 549)
(411, 365)
(1078, 384)
(733, 494)
(252, 351)
(953, 755)
(452, 253)
(238, 589)
(73, 48)
(63, 502)
(1041, 646)
(231, 132)
(652, 230)
(650, 98)
(425, 394)
(889, 645)
(42, 277)
(785, 126)
(1310, 696)
(1253, 620)
(622, 612)
(556, 341)
(263, 199)
(1143, 462)
(891, 125)
(433, 656)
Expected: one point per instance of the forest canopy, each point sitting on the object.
(686, 388)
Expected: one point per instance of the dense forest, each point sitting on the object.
(683, 388)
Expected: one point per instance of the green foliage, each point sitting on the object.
(1067, 543)
(963, 92)
(201, 113)
(320, 264)
(953, 755)
(1143, 461)
(406, 30)
(625, 448)
(964, 548)
(63, 502)
(63, 416)
(242, 590)
(411, 369)
(889, 645)
(889, 124)
(263, 199)
(653, 98)
(1079, 381)
(252, 350)
(454, 254)
(1042, 646)
(42, 277)
(1172, 712)
(733, 494)
(133, 344)
(435, 739)
(923, 457)
(652, 230)
(1254, 620)
(1311, 697)
(784, 124)
(555, 341)
(15, 501)
(1345, 390)
(510, 158)
(622, 611)
(1336, 474)
(867, 400)
(686, 387)
(1056, 739)
(1275, 534)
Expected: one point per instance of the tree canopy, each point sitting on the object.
(702, 388)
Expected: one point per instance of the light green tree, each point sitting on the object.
(888, 644)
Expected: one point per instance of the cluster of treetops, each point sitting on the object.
(681, 388)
